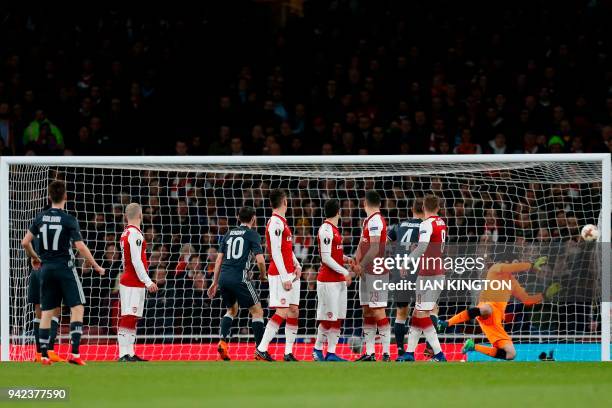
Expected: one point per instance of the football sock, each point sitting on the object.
(43, 335)
(36, 323)
(384, 330)
(291, 329)
(489, 351)
(226, 326)
(271, 329)
(464, 316)
(459, 318)
(126, 335)
(53, 332)
(321, 335)
(257, 325)
(432, 338)
(369, 334)
(332, 337)
(399, 327)
(413, 338)
(76, 330)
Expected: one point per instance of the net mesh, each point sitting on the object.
(187, 208)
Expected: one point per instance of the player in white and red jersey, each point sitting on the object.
(133, 283)
(373, 301)
(432, 236)
(332, 282)
(283, 278)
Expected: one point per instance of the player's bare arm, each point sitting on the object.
(261, 266)
(88, 257)
(371, 253)
(212, 290)
(26, 243)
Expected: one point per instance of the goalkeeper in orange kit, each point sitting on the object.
(490, 311)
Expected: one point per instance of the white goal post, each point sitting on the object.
(578, 185)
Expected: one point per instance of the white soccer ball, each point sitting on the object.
(589, 232)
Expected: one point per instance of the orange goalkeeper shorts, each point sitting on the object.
(493, 326)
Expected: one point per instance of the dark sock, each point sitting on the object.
(473, 312)
(76, 330)
(37, 334)
(226, 327)
(400, 333)
(501, 354)
(258, 330)
(43, 335)
(53, 333)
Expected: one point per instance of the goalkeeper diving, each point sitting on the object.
(490, 311)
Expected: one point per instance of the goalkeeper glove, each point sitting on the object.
(552, 290)
(541, 261)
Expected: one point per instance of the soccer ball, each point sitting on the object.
(589, 233)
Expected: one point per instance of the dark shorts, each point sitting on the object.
(34, 287)
(59, 282)
(242, 292)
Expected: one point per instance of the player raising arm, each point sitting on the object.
(490, 311)
(231, 276)
(284, 279)
(58, 231)
(332, 282)
(373, 302)
(133, 283)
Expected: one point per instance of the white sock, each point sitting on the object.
(269, 333)
(125, 341)
(369, 335)
(413, 339)
(290, 336)
(385, 337)
(132, 341)
(432, 337)
(332, 340)
(322, 334)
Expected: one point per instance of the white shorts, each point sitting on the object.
(368, 296)
(132, 300)
(331, 300)
(427, 295)
(279, 297)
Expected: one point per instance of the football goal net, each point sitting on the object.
(534, 204)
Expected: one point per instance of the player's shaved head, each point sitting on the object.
(372, 198)
(276, 197)
(133, 211)
(57, 191)
(417, 206)
(431, 203)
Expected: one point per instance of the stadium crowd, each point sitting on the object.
(343, 77)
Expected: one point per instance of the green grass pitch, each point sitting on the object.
(255, 384)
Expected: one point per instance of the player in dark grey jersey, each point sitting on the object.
(34, 299)
(404, 235)
(58, 232)
(231, 277)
